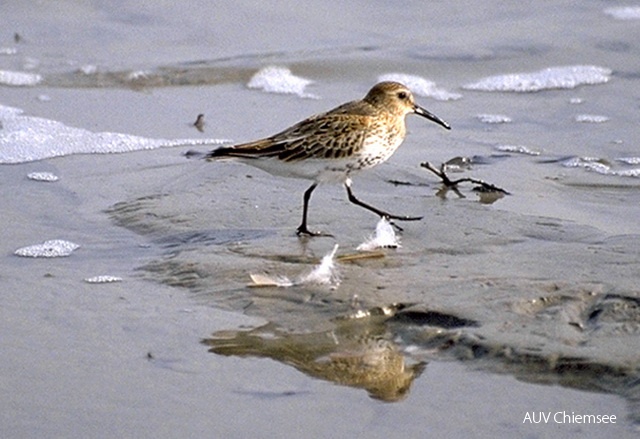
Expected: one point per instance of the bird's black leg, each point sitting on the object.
(302, 229)
(375, 210)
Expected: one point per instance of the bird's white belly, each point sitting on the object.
(334, 170)
(319, 170)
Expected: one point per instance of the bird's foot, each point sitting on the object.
(304, 231)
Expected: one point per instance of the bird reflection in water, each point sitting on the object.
(354, 354)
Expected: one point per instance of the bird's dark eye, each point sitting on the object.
(402, 95)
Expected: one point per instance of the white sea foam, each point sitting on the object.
(42, 176)
(8, 51)
(88, 69)
(566, 77)
(520, 149)
(493, 118)
(103, 279)
(624, 12)
(421, 86)
(139, 75)
(384, 237)
(275, 79)
(591, 118)
(19, 79)
(628, 173)
(590, 163)
(55, 248)
(25, 138)
(629, 160)
(600, 166)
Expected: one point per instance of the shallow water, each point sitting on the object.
(530, 300)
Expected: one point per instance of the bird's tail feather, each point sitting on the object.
(218, 153)
(193, 154)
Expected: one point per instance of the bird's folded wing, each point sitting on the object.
(326, 136)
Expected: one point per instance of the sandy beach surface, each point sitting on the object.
(496, 316)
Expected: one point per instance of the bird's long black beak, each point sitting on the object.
(432, 117)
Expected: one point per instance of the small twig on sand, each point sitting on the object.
(484, 186)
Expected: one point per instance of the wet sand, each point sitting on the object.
(185, 236)
(494, 311)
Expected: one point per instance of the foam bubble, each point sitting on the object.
(493, 118)
(274, 79)
(26, 138)
(55, 248)
(520, 149)
(624, 13)
(139, 75)
(88, 69)
(567, 77)
(591, 118)
(104, 279)
(42, 176)
(421, 86)
(19, 79)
